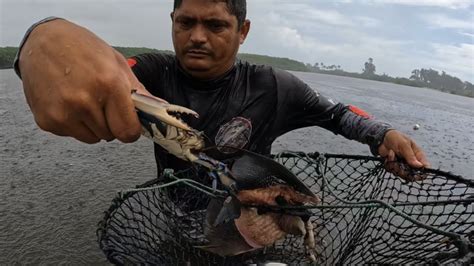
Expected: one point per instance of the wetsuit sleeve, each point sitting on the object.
(16, 67)
(300, 106)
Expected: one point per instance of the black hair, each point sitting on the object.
(238, 8)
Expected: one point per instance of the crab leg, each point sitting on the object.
(309, 241)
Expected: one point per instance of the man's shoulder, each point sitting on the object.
(264, 69)
(261, 77)
(255, 68)
(267, 72)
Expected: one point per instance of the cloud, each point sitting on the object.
(119, 22)
(326, 16)
(452, 4)
(443, 21)
(367, 21)
(303, 12)
(352, 47)
(319, 33)
(456, 60)
(467, 34)
(394, 56)
(341, 32)
(274, 27)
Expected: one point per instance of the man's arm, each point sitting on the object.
(77, 85)
(381, 137)
(302, 107)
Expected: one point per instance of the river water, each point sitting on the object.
(53, 190)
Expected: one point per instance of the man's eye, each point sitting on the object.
(216, 27)
(186, 24)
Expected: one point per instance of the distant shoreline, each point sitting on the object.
(429, 78)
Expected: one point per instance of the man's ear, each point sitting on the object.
(172, 15)
(244, 30)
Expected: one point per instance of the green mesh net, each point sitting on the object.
(367, 215)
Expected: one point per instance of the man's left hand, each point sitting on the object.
(397, 144)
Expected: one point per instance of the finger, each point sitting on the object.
(82, 133)
(390, 161)
(395, 168)
(420, 155)
(399, 169)
(97, 123)
(407, 152)
(391, 156)
(383, 151)
(120, 114)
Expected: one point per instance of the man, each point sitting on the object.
(77, 85)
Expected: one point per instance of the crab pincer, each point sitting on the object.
(161, 110)
(161, 122)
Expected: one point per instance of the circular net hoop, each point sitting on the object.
(367, 215)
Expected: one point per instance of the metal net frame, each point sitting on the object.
(366, 215)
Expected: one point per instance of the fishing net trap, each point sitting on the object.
(366, 215)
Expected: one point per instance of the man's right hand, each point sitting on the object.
(77, 85)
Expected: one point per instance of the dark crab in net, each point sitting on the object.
(253, 215)
(234, 225)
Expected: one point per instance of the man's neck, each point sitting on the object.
(202, 77)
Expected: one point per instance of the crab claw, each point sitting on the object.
(167, 130)
(161, 109)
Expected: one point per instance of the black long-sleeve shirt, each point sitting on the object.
(249, 106)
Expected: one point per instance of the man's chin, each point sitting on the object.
(194, 65)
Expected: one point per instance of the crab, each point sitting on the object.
(167, 130)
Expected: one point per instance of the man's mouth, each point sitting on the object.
(197, 53)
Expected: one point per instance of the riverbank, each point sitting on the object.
(427, 78)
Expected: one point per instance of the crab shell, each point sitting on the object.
(261, 230)
(253, 230)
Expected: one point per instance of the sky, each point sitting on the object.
(400, 35)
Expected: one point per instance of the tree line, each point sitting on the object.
(7, 55)
(428, 78)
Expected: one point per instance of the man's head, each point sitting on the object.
(207, 34)
(237, 8)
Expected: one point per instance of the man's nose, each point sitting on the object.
(199, 34)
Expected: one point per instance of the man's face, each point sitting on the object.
(206, 37)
